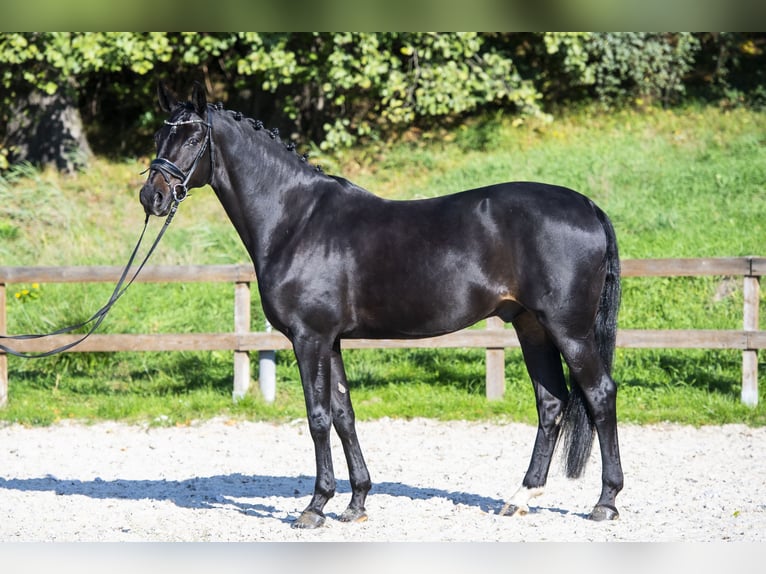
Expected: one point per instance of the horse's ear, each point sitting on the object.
(167, 99)
(199, 99)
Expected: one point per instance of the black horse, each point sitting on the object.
(334, 261)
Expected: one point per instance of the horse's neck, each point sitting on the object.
(265, 195)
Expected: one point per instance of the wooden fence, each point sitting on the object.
(495, 338)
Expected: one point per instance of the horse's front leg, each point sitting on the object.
(344, 421)
(314, 363)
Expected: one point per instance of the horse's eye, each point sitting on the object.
(192, 141)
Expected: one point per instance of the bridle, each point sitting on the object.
(168, 169)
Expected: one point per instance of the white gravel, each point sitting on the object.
(225, 480)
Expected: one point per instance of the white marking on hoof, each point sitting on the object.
(517, 510)
(520, 499)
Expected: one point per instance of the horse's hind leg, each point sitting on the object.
(600, 392)
(344, 422)
(544, 367)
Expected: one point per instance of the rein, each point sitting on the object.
(98, 317)
(168, 170)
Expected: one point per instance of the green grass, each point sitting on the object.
(684, 183)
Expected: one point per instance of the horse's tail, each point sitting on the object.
(577, 426)
(609, 305)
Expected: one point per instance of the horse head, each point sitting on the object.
(182, 142)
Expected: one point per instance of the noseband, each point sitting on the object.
(169, 169)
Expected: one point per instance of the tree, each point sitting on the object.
(46, 129)
(42, 79)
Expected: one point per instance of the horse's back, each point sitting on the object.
(508, 203)
(509, 220)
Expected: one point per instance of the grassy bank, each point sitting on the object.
(676, 184)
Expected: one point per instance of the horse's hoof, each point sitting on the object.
(603, 512)
(309, 520)
(353, 515)
(513, 510)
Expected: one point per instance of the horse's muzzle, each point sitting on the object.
(155, 200)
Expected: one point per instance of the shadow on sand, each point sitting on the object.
(234, 490)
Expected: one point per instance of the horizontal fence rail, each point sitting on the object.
(494, 338)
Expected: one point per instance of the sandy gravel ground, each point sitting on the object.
(238, 481)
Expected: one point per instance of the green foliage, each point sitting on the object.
(626, 67)
(48, 60)
(365, 84)
(645, 67)
(338, 89)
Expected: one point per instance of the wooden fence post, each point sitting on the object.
(750, 356)
(241, 326)
(495, 376)
(3, 356)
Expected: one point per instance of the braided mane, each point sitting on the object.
(257, 125)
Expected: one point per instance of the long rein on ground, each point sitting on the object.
(180, 191)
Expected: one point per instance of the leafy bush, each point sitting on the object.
(339, 88)
(359, 85)
(628, 66)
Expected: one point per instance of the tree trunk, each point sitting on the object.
(47, 130)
